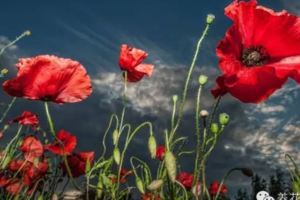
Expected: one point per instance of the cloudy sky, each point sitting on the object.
(92, 31)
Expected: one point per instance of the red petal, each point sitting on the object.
(65, 144)
(131, 57)
(32, 148)
(50, 78)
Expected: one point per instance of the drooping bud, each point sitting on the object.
(202, 79)
(140, 185)
(224, 119)
(117, 155)
(152, 146)
(210, 18)
(214, 128)
(115, 136)
(204, 113)
(170, 162)
(155, 185)
(247, 172)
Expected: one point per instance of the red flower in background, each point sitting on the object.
(131, 61)
(160, 152)
(64, 145)
(32, 148)
(50, 78)
(214, 186)
(27, 119)
(149, 196)
(259, 52)
(123, 176)
(186, 180)
(77, 163)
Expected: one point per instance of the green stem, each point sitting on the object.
(187, 82)
(223, 180)
(26, 33)
(8, 109)
(198, 148)
(50, 122)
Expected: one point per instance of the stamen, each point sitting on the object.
(254, 56)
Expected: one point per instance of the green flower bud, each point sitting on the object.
(296, 187)
(214, 128)
(155, 185)
(224, 119)
(4, 71)
(210, 18)
(28, 32)
(99, 189)
(87, 166)
(152, 146)
(115, 137)
(170, 162)
(202, 79)
(6, 161)
(140, 185)
(175, 98)
(117, 155)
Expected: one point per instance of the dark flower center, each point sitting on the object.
(254, 56)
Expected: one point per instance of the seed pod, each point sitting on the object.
(115, 137)
(155, 185)
(152, 146)
(140, 185)
(214, 128)
(224, 119)
(170, 162)
(117, 155)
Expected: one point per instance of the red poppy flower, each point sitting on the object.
(160, 153)
(77, 163)
(259, 52)
(50, 78)
(35, 172)
(150, 196)
(131, 61)
(64, 145)
(4, 180)
(14, 187)
(32, 148)
(27, 118)
(186, 180)
(214, 186)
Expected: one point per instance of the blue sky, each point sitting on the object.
(92, 31)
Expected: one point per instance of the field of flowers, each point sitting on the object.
(258, 54)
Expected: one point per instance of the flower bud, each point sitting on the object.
(40, 197)
(224, 119)
(4, 71)
(115, 137)
(28, 32)
(99, 189)
(196, 189)
(155, 185)
(214, 128)
(140, 185)
(210, 18)
(117, 155)
(170, 162)
(204, 113)
(6, 161)
(175, 98)
(202, 79)
(247, 172)
(152, 146)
